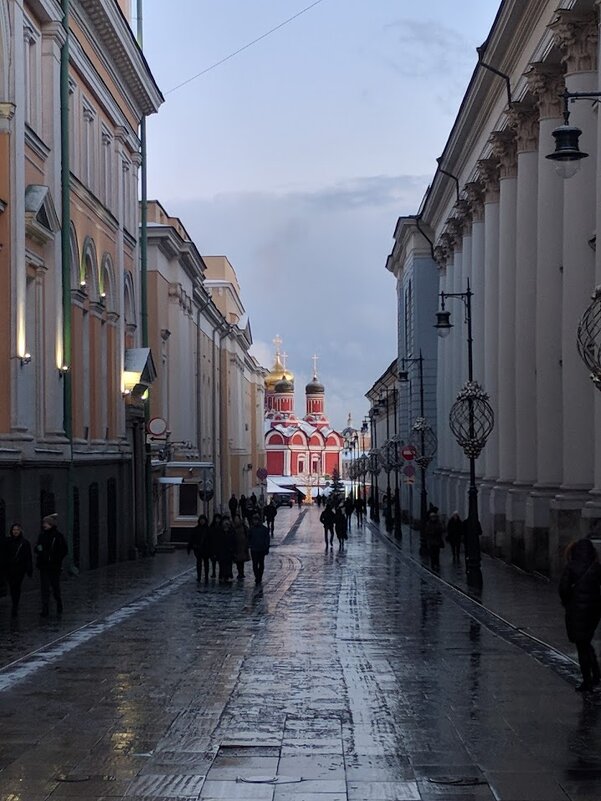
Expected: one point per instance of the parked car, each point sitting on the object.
(282, 499)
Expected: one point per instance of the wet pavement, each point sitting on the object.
(348, 676)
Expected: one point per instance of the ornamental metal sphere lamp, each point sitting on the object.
(471, 420)
(589, 338)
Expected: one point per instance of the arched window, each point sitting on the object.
(129, 310)
(89, 270)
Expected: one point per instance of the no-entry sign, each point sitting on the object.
(408, 453)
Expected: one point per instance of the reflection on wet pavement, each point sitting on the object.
(348, 676)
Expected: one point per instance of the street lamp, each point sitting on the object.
(374, 466)
(390, 458)
(471, 420)
(567, 154)
(422, 438)
(589, 338)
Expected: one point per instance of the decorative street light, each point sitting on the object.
(589, 338)
(364, 430)
(422, 438)
(471, 420)
(567, 154)
(390, 459)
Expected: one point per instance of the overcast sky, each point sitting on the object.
(295, 158)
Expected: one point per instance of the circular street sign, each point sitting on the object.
(408, 453)
(157, 426)
(409, 470)
(262, 474)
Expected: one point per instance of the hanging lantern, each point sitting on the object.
(472, 419)
(589, 338)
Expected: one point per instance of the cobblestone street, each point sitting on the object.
(350, 675)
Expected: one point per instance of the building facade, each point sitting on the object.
(206, 403)
(72, 436)
(525, 239)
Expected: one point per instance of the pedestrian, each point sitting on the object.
(271, 511)
(241, 552)
(200, 542)
(50, 551)
(214, 536)
(340, 525)
(299, 499)
(580, 593)
(258, 540)
(251, 507)
(233, 505)
(349, 505)
(434, 540)
(327, 518)
(242, 506)
(455, 535)
(359, 509)
(261, 507)
(224, 550)
(16, 563)
(318, 499)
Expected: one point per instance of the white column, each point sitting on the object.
(577, 39)
(546, 83)
(489, 173)
(475, 192)
(505, 148)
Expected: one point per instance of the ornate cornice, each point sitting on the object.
(524, 118)
(577, 36)
(547, 84)
(505, 149)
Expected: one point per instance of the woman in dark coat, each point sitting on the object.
(200, 543)
(17, 563)
(241, 552)
(580, 593)
(340, 526)
(455, 535)
(224, 551)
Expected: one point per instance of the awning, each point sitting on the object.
(138, 371)
(272, 488)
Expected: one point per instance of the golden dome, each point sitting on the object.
(278, 371)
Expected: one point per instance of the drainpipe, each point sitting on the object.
(199, 312)
(223, 330)
(144, 291)
(66, 275)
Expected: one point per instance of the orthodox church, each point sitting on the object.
(307, 448)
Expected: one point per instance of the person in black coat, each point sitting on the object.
(434, 540)
(455, 535)
(580, 593)
(233, 505)
(340, 526)
(200, 542)
(270, 515)
(17, 563)
(258, 542)
(224, 550)
(327, 519)
(50, 552)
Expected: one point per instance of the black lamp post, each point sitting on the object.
(364, 429)
(471, 420)
(390, 458)
(424, 441)
(374, 466)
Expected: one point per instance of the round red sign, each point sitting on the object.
(408, 453)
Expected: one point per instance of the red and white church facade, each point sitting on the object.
(306, 449)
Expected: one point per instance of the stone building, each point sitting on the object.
(71, 430)
(498, 215)
(206, 403)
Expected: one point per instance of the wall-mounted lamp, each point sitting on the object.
(63, 370)
(125, 393)
(24, 359)
(567, 154)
